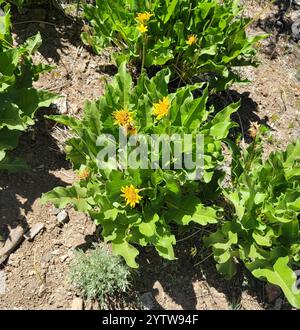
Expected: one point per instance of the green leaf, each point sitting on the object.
(223, 242)
(74, 195)
(10, 116)
(127, 251)
(8, 61)
(264, 238)
(9, 138)
(30, 99)
(5, 25)
(191, 209)
(221, 123)
(282, 275)
(164, 246)
(148, 228)
(170, 9)
(121, 85)
(33, 43)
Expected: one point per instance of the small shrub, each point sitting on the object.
(99, 274)
(195, 38)
(142, 205)
(263, 229)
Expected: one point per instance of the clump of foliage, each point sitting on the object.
(18, 99)
(139, 206)
(202, 39)
(99, 275)
(263, 231)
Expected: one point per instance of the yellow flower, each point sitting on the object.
(123, 117)
(143, 17)
(142, 28)
(83, 174)
(161, 109)
(131, 195)
(192, 39)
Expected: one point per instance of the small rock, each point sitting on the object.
(46, 258)
(62, 217)
(34, 230)
(71, 253)
(55, 211)
(12, 242)
(148, 300)
(296, 29)
(55, 252)
(62, 105)
(13, 260)
(63, 258)
(77, 304)
(273, 292)
(42, 289)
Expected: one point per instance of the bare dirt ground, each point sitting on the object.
(37, 272)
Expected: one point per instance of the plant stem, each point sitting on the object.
(143, 54)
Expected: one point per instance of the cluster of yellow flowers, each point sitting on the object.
(143, 19)
(124, 118)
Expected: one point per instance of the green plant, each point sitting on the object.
(98, 274)
(136, 205)
(18, 99)
(202, 39)
(263, 231)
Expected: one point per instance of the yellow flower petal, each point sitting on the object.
(192, 39)
(142, 28)
(123, 117)
(161, 109)
(83, 174)
(143, 17)
(131, 195)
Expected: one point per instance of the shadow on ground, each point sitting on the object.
(279, 25)
(20, 190)
(53, 25)
(246, 114)
(177, 279)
